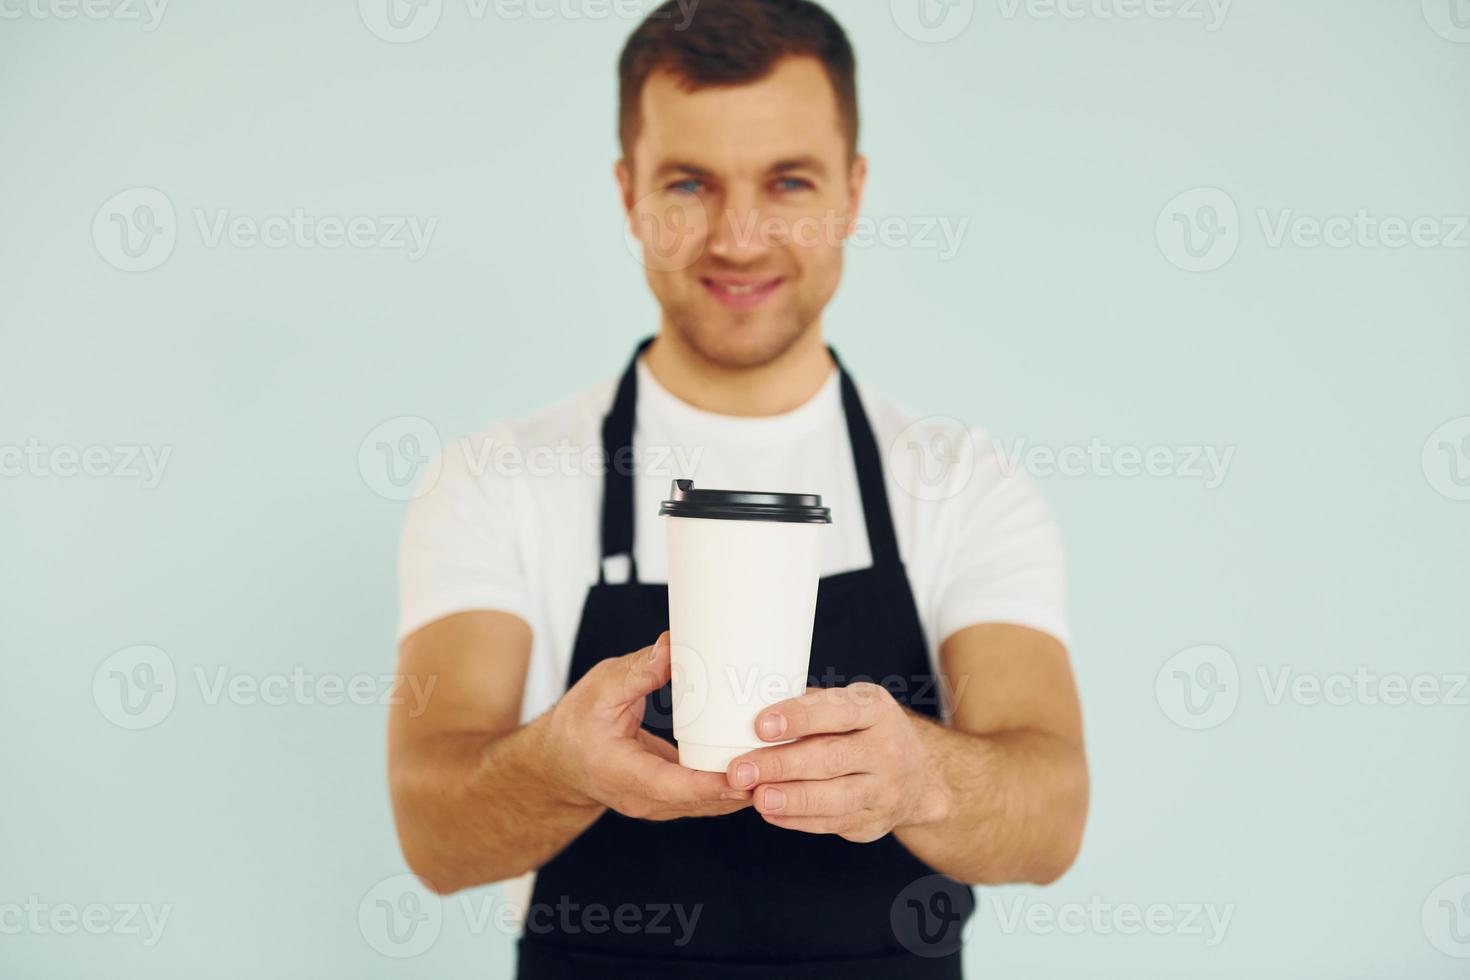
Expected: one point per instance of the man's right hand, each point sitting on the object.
(479, 797)
(604, 757)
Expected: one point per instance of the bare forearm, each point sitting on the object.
(1006, 807)
(473, 808)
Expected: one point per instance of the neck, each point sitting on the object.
(780, 385)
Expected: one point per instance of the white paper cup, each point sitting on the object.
(743, 573)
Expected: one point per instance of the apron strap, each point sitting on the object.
(617, 487)
(617, 480)
(882, 541)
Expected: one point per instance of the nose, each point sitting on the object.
(737, 234)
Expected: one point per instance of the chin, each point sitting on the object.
(740, 342)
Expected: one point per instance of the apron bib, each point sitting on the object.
(732, 896)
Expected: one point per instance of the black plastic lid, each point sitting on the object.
(744, 505)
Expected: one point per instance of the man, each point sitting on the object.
(537, 600)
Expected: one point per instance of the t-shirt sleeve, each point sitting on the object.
(1004, 561)
(458, 550)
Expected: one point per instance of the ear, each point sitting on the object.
(623, 174)
(857, 182)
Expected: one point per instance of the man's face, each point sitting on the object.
(742, 197)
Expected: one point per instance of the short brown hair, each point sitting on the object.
(733, 42)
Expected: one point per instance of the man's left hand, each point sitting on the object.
(858, 767)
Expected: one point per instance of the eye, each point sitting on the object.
(788, 184)
(690, 186)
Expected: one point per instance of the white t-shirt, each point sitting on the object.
(511, 517)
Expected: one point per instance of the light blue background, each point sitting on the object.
(1329, 546)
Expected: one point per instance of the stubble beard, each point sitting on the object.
(739, 342)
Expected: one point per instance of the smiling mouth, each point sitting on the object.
(741, 294)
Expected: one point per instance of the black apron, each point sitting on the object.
(621, 900)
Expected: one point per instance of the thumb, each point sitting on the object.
(641, 672)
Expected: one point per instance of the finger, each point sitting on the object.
(623, 680)
(815, 757)
(857, 827)
(664, 750)
(719, 809)
(661, 783)
(838, 797)
(819, 710)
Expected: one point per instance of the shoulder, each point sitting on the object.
(570, 418)
(981, 535)
(564, 430)
(936, 457)
(482, 471)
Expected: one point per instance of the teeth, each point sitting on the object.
(739, 290)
